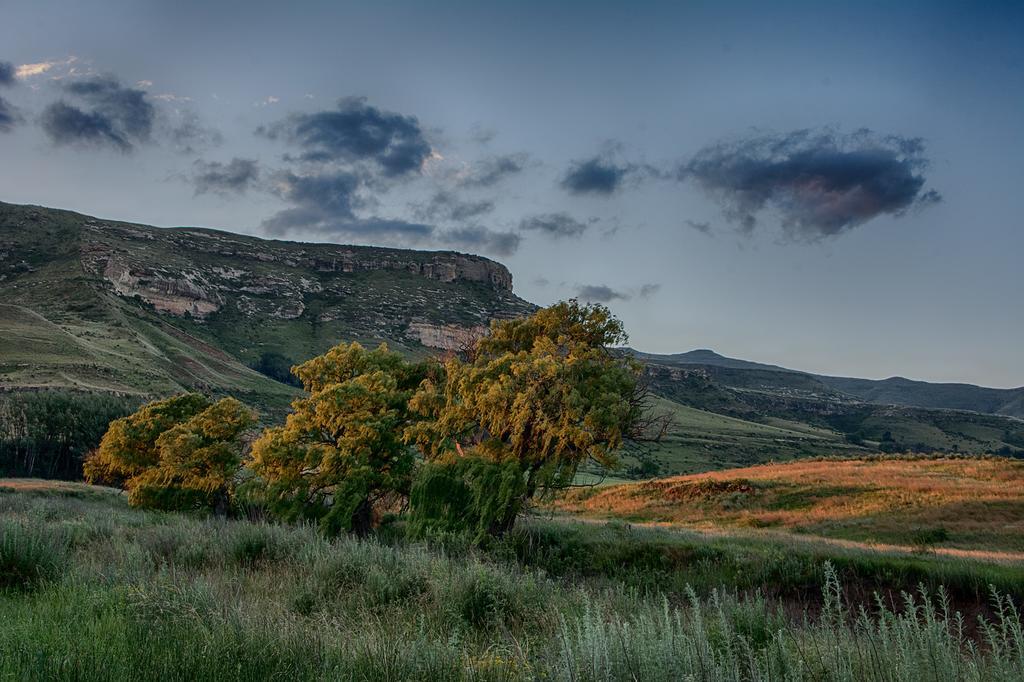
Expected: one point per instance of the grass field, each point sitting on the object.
(91, 589)
(972, 504)
(699, 441)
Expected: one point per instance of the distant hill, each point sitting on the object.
(893, 391)
(97, 305)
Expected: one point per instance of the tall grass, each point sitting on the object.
(131, 595)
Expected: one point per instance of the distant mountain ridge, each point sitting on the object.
(893, 391)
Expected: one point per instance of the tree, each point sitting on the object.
(546, 392)
(198, 461)
(178, 453)
(341, 449)
(129, 446)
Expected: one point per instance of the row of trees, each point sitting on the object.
(462, 443)
(47, 434)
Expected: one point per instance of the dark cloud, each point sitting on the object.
(445, 205)
(704, 228)
(188, 135)
(357, 131)
(820, 183)
(66, 124)
(324, 204)
(648, 290)
(599, 293)
(114, 115)
(556, 225)
(482, 239)
(492, 170)
(234, 177)
(594, 176)
(330, 194)
(8, 116)
(7, 72)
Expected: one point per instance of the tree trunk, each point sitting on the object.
(362, 518)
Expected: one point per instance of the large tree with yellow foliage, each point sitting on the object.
(341, 450)
(545, 393)
(177, 453)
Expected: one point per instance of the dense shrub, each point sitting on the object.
(468, 495)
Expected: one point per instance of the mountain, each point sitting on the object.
(892, 391)
(100, 305)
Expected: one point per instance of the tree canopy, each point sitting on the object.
(177, 453)
(341, 449)
(545, 391)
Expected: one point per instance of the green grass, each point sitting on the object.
(700, 441)
(150, 596)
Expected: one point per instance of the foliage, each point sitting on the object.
(277, 367)
(129, 446)
(341, 449)
(48, 433)
(178, 453)
(198, 461)
(465, 495)
(544, 392)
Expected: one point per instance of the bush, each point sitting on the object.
(30, 555)
(468, 495)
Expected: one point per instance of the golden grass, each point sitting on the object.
(957, 503)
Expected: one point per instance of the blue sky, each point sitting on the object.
(831, 187)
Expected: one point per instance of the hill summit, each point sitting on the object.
(95, 304)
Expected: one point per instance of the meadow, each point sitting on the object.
(968, 504)
(92, 589)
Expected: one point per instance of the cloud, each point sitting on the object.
(8, 116)
(324, 204)
(7, 72)
(234, 177)
(118, 116)
(703, 228)
(357, 131)
(188, 135)
(39, 68)
(332, 195)
(648, 290)
(820, 183)
(8, 112)
(599, 293)
(492, 170)
(556, 225)
(594, 176)
(482, 239)
(445, 205)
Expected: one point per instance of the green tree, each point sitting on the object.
(198, 461)
(341, 450)
(545, 392)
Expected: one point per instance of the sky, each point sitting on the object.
(829, 187)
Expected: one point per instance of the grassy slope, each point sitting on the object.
(121, 594)
(699, 440)
(968, 504)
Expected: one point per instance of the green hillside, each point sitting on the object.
(94, 305)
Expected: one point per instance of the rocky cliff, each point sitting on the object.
(114, 297)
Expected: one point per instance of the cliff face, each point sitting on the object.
(133, 308)
(200, 271)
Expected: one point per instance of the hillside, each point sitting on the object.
(892, 391)
(958, 504)
(91, 304)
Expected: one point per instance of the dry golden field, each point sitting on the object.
(945, 504)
